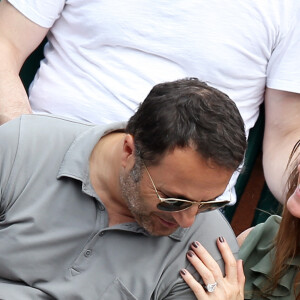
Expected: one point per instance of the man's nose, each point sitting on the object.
(186, 217)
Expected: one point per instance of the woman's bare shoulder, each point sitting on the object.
(242, 236)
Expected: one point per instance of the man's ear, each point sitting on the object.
(128, 152)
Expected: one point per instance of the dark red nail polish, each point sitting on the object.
(195, 244)
(221, 239)
(183, 272)
(190, 253)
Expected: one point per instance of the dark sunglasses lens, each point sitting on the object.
(173, 205)
(211, 206)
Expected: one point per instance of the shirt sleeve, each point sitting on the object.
(181, 290)
(283, 71)
(41, 12)
(172, 286)
(19, 290)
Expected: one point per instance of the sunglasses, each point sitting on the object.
(175, 204)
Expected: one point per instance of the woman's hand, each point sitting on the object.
(230, 287)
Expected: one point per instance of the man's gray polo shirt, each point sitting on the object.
(54, 239)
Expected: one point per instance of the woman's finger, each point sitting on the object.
(241, 275)
(206, 275)
(193, 284)
(208, 261)
(229, 259)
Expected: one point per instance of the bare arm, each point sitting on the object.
(282, 131)
(242, 236)
(18, 39)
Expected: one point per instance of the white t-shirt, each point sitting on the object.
(103, 57)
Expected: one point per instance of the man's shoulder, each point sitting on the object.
(31, 134)
(208, 227)
(31, 121)
(51, 128)
(211, 221)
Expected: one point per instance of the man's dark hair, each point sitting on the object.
(188, 113)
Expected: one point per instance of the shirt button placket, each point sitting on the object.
(101, 207)
(88, 253)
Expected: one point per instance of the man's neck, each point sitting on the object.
(105, 167)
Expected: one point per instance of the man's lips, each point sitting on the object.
(167, 223)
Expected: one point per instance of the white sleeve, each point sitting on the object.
(41, 12)
(283, 72)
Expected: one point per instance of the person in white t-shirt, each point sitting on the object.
(102, 56)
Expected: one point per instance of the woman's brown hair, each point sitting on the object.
(287, 241)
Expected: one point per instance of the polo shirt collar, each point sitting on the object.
(76, 161)
(179, 233)
(135, 227)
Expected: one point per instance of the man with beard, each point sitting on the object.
(108, 212)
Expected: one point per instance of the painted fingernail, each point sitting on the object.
(190, 253)
(196, 244)
(221, 239)
(183, 272)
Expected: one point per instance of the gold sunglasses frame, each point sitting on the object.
(199, 203)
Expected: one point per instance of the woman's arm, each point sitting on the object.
(242, 236)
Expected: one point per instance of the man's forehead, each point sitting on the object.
(184, 173)
(184, 158)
